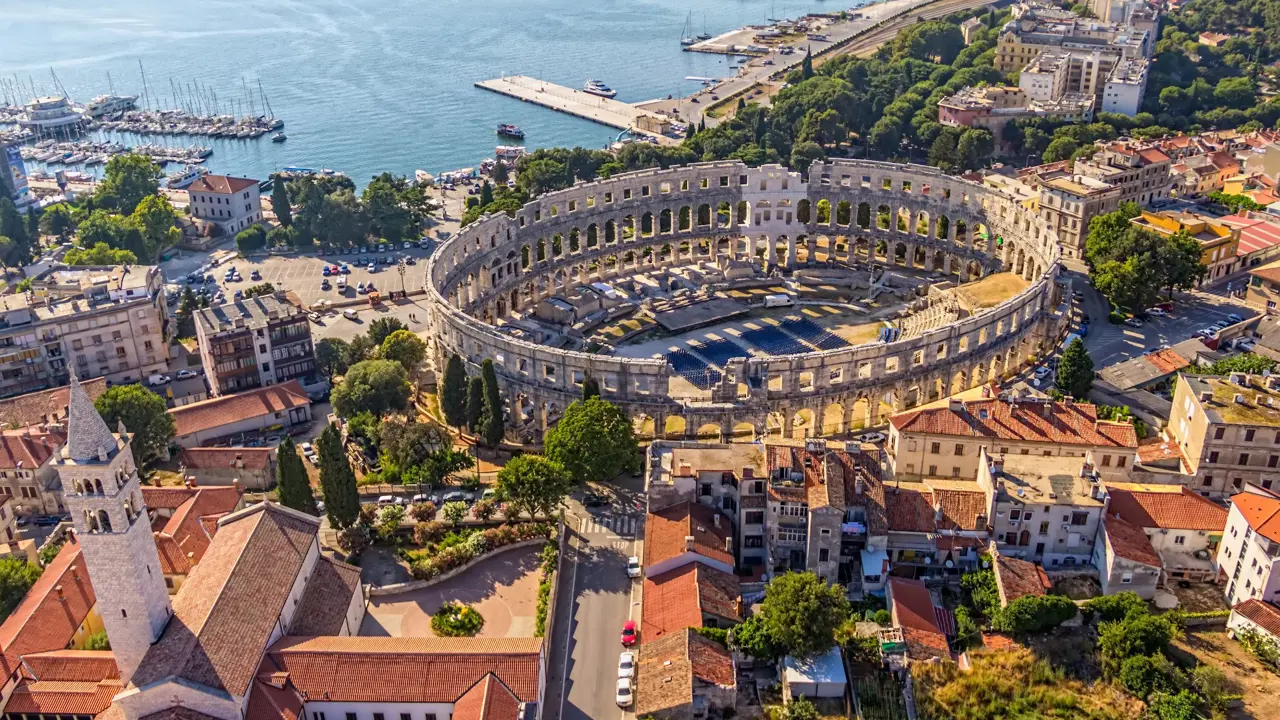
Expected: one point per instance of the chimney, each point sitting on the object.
(728, 544)
(937, 511)
(1206, 395)
(715, 520)
(62, 597)
(997, 464)
(688, 543)
(235, 483)
(1047, 408)
(956, 405)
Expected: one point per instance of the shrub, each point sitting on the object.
(1142, 675)
(354, 540)
(484, 510)
(720, 635)
(454, 512)
(457, 549)
(477, 544)
(1115, 318)
(428, 532)
(368, 514)
(1034, 613)
(389, 521)
(881, 617)
(423, 512)
(544, 597)
(454, 619)
(1110, 608)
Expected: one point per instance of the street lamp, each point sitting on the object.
(400, 268)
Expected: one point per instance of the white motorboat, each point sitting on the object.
(595, 87)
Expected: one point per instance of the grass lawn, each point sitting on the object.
(991, 290)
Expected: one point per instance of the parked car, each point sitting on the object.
(326, 271)
(1234, 318)
(453, 496)
(633, 567)
(1133, 322)
(314, 317)
(626, 664)
(424, 498)
(187, 374)
(307, 449)
(158, 380)
(624, 695)
(349, 314)
(629, 633)
(871, 437)
(47, 520)
(594, 500)
(255, 275)
(390, 500)
(1157, 311)
(1246, 344)
(1042, 372)
(1220, 325)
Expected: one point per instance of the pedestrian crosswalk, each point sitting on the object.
(624, 525)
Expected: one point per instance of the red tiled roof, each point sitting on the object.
(418, 670)
(269, 702)
(1255, 234)
(676, 599)
(1157, 449)
(488, 699)
(56, 697)
(1262, 512)
(223, 615)
(222, 184)
(1151, 156)
(173, 561)
(666, 529)
(1130, 542)
(166, 498)
(1019, 577)
(913, 605)
(71, 665)
(217, 412)
(925, 644)
(909, 507)
(1263, 614)
(28, 450)
(668, 667)
(45, 621)
(324, 604)
(214, 458)
(37, 407)
(185, 527)
(1067, 424)
(1167, 361)
(1176, 508)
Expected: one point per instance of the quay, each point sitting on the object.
(606, 111)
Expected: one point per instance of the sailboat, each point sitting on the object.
(704, 35)
(686, 35)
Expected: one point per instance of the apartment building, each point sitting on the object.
(1219, 242)
(993, 107)
(936, 528)
(27, 476)
(1183, 528)
(255, 342)
(948, 441)
(1141, 172)
(728, 478)
(1250, 546)
(231, 203)
(1125, 85)
(1227, 430)
(1043, 509)
(115, 327)
(1069, 202)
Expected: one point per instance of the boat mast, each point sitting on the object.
(265, 102)
(111, 88)
(146, 94)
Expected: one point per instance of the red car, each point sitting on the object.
(629, 633)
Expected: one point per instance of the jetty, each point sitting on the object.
(606, 111)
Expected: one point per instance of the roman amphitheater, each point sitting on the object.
(718, 300)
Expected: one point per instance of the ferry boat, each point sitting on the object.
(595, 87)
(509, 130)
(110, 105)
(183, 179)
(279, 138)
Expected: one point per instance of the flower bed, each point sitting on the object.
(454, 619)
(475, 545)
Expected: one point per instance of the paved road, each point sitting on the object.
(595, 598)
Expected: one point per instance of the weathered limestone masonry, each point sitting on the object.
(869, 212)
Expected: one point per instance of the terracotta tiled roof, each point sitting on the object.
(666, 529)
(38, 407)
(668, 666)
(1130, 542)
(166, 498)
(185, 527)
(1172, 507)
(222, 184)
(913, 605)
(925, 644)
(224, 613)
(676, 599)
(44, 620)
(1067, 424)
(323, 609)
(488, 699)
(1020, 577)
(1157, 450)
(71, 665)
(272, 698)
(173, 561)
(1167, 361)
(1151, 156)
(910, 506)
(28, 450)
(1262, 512)
(57, 697)
(387, 669)
(223, 458)
(215, 413)
(1263, 614)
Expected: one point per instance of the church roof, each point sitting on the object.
(88, 434)
(51, 611)
(325, 602)
(225, 612)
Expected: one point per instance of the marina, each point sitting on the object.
(583, 104)
(83, 152)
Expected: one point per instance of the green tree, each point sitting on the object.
(388, 216)
(1034, 614)
(251, 239)
(265, 288)
(280, 202)
(533, 485)
(16, 578)
(486, 193)
(404, 347)
(806, 65)
(1060, 148)
(99, 254)
(800, 709)
(156, 220)
(453, 392)
(1075, 370)
(284, 237)
(1116, 607)
(494, 419)
(1137, 634)
(802, 612)
(590, 387)
(105, 227)
(406, 443)
(126, 180)
(381, 329)
(753, 638)
(1142, 675)
(331, 356)
(442, 464)
(804, 154)
(98, 641)
(292, 485)
(593, 440)
(337, 481)
(376, 386)
(475, 404)
(1166, 706)
(342, 219)
(980, 586)
(145, 415)
(57, 220)
(500, 173)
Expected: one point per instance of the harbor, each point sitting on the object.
(51, 152)
(579, 103)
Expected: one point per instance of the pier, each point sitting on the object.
(606, 111)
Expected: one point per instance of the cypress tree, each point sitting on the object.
(486, 194)
(292, 484)
(494, 422)
(475, 404)
(453, 392)
(280, 203)
(341, 500)
(806, 68)
(1075, 370)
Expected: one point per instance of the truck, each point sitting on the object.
(375, 298)
(780, 300)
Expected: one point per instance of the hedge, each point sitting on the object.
(476, 545)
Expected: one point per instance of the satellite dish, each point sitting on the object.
(948, 564)
(928, 560)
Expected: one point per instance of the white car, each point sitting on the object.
(1042, 371)
(1156, 312)
(626, 665)
(187, 374)
(871, 437)
(1234, 318)
(307, 449)
(390, 500)
(624, 696)
(1133, 322)
(633, 568)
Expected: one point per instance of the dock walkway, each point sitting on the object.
(605, 111)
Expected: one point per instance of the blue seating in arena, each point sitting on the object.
(720, 352)
(812, 333)
(775, 342)
(693, 369)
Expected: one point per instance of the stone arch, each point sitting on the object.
(704, 215)
(686, 218)
(104, 521)
(646, 225)
(557, 245)
(883, 217)
(542, 250)
(922, 223)
(824, 212)
(665, 224)
(91, 521)
(524, 257)
(676, 425)
(743, 211)
(724, 215)
(844, 213)
(864, 215)
(804, 211)
(944, 227)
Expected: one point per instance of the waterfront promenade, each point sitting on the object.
(606, 111)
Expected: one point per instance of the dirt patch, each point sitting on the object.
(1079, 587)
(1072, 649)
(1259, 685)
(1198, 597)
(991, 290)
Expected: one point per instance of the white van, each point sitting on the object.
(349, 314)
(771, 301)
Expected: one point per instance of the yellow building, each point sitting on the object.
(1218, 242)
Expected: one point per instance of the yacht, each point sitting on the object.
(686, 35)
(279, 137)
(183, 178)
(509, 130)
(704, 35)
(595, 87)
(110, 105)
